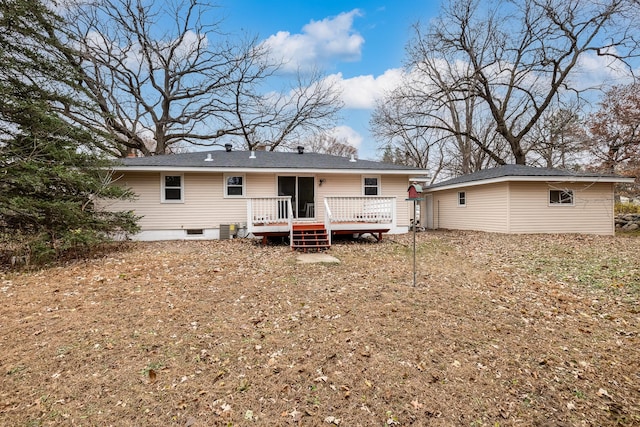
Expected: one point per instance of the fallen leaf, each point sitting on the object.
(332, 420)
(296, 415)
(152, 376)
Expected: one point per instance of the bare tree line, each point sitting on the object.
(490, 83)
(163, 76)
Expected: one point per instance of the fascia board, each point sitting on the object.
(550, 179)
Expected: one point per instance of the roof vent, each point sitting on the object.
(209, 158)
(228, 147)
(252, 155)
(300, 149)
(353, 159)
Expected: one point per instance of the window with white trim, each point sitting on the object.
(561, 197)
(234, 185)
(462, 198)
(172, 188)
(371, 186)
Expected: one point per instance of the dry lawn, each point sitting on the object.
(499, 331)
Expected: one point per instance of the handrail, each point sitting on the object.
(290, 216)
(327, 220)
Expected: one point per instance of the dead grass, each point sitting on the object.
(499, 331)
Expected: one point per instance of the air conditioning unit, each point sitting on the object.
(228, 231)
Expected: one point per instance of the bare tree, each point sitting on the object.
(327, 144)
(614, 135)
(281, 119)
(164, 76)
(558, 140)
(515, 59)
(404, 138)
(435, 129)
(615, 130)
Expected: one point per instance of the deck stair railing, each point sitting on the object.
(327, 219)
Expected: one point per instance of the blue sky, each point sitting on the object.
(360, 43)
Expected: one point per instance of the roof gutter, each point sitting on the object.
(549, 179)
(265, 170)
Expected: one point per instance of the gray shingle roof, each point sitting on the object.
(508, 171)
(262, 160)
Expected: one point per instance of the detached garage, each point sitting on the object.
(523, 199)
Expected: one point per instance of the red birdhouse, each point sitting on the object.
(415, 191)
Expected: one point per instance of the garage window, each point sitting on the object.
(561, 197)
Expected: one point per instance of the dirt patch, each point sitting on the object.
(498, 331)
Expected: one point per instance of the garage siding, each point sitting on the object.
(486, 208)
(592, 211)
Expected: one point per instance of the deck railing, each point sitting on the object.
(368, 209)
(275, 214)
(269, 211)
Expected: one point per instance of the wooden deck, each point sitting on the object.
(274, 217)
(356, 228)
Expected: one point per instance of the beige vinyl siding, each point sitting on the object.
(261, 185)
(206, 207)
(398, 186)
(335, 185)
(146, 187)
(485, 210)
(592, 211)
(204, 203)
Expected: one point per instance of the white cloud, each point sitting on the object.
(346, 133)
(595, 70)
(362, 92)
(319, 43)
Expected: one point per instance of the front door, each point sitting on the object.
(301, 190)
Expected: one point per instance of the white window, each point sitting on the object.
(234, 185)
(371, 186)
(561, 197)
(462, 198)
(172, 188)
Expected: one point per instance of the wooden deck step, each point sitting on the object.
(308, 237)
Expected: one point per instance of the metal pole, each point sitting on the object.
(414, 242)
